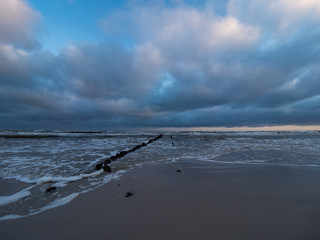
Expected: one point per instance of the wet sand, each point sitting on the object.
(200, 202)
(11, 186)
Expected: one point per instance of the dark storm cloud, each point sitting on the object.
(177, 65)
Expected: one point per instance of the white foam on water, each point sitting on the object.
(21, 179)
(256, 162)
(49, 179)
(9, 217)
(174, 160)
(112, 153)
(67, 179)
(116, 176)
(60, 184)
(56, 203)
(61, 201)
(4, 200)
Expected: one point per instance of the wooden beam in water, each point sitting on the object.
(105, 164)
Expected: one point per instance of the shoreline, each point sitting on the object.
(200, 201)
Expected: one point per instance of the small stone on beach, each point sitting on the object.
(129, 194)
(51, 189)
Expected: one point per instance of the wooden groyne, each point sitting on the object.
(105, 164)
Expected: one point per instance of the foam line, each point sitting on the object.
(4, 200)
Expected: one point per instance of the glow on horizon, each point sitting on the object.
(243, 129)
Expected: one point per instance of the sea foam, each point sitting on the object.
(4, 200)
(56, 203)
(67, 179)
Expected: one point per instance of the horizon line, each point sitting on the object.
(241, 129)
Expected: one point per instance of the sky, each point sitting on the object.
(78, 64)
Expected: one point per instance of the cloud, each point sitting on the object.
(169, 65)
(169, 27)
(280, 16)
(18, 24)
(194, 45)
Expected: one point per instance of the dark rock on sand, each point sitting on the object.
(129, 194)
(51, 189)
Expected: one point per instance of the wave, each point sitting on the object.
(4, 200)
(71, 134)
(56, 203)
(28, 136)
(54, 179)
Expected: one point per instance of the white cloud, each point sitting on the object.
(18, 24)
(291, 85)
(182, 27)
(279, 17)
(11, 54)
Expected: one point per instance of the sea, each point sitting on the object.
(31, 162)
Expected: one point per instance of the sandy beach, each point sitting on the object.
(199, 201)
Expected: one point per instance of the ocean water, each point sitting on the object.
(66, 160)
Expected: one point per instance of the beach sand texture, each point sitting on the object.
(200, 202)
